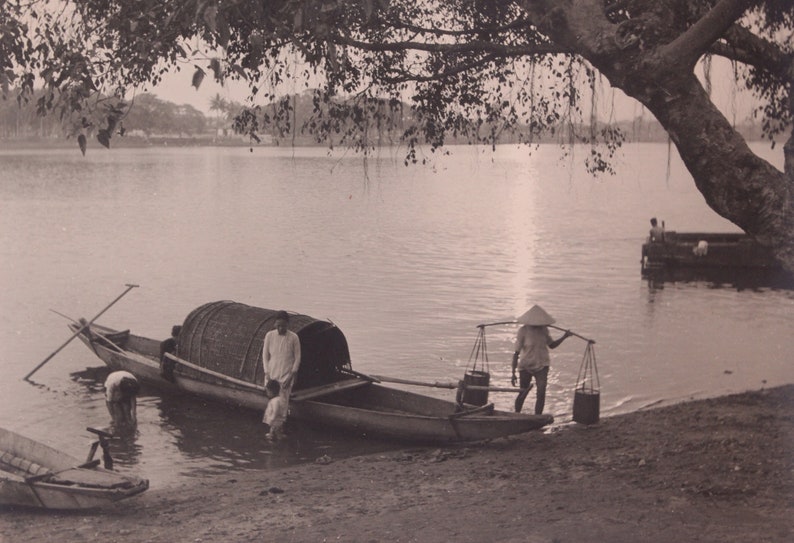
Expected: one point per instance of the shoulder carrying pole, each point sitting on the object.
(77, 333)
(588, 340)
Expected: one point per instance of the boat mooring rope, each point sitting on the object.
(588, 371)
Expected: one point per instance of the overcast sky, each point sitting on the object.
(730, 96)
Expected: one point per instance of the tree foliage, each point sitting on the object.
(151, 115)
(425, 71)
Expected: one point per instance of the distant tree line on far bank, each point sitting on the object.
(148, 117)
(152, 119)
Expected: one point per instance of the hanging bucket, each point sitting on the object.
(587, 397)
(475, 377)
(474, 397)
(586, 406)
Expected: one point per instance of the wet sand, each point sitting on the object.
(718, 470)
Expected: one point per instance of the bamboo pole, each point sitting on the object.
(588, 340)
(222, 376)
(78, 332)
(105, 338)
(437, 384)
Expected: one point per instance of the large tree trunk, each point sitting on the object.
(735, 182)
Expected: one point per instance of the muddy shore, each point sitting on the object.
(718, 470)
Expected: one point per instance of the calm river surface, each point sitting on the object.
(407, 261)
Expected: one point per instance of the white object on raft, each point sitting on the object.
(702, 248)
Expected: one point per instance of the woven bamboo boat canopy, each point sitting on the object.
(227, 337)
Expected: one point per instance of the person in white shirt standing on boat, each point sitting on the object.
(281, 357)
(531, 356)
(121, 391)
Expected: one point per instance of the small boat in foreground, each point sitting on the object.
(36, 475)
(218, 356)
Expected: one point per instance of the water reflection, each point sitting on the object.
(407, 271)
(125, 449)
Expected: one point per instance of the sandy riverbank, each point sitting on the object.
(718, 470)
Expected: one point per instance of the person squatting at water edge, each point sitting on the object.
(531, 355)
(281, 358)
(121, 391)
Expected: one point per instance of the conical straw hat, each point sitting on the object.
(536, 316)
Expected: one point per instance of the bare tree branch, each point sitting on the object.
(693, 43)
(743, 46)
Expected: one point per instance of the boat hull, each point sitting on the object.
(696, 250)
(396, 414)
(371, 410)
(36, 475)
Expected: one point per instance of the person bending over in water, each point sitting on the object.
(121, 391)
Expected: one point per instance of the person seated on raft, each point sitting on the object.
(657, 232)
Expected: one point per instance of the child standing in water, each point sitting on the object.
(276, 410)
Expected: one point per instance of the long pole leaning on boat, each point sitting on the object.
(79, 331)
(439, 384)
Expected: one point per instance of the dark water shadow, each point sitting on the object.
(212, 437)
(727, 278)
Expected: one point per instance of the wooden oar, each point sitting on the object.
(222, 376)
(417, 383)
(360, 375)
(324, 390)
(484, 409)
(78, 332)
(106, 339)
(437, 384)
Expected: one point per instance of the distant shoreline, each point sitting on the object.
(136, 142)
(124, 143)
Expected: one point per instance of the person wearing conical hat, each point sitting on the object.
(531, 356)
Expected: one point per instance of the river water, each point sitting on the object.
(407, 261)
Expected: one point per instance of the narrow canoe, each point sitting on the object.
(353, 402)
(33, 474)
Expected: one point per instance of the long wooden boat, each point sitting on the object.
(699, 250)
(341, 399)
(33, 474)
